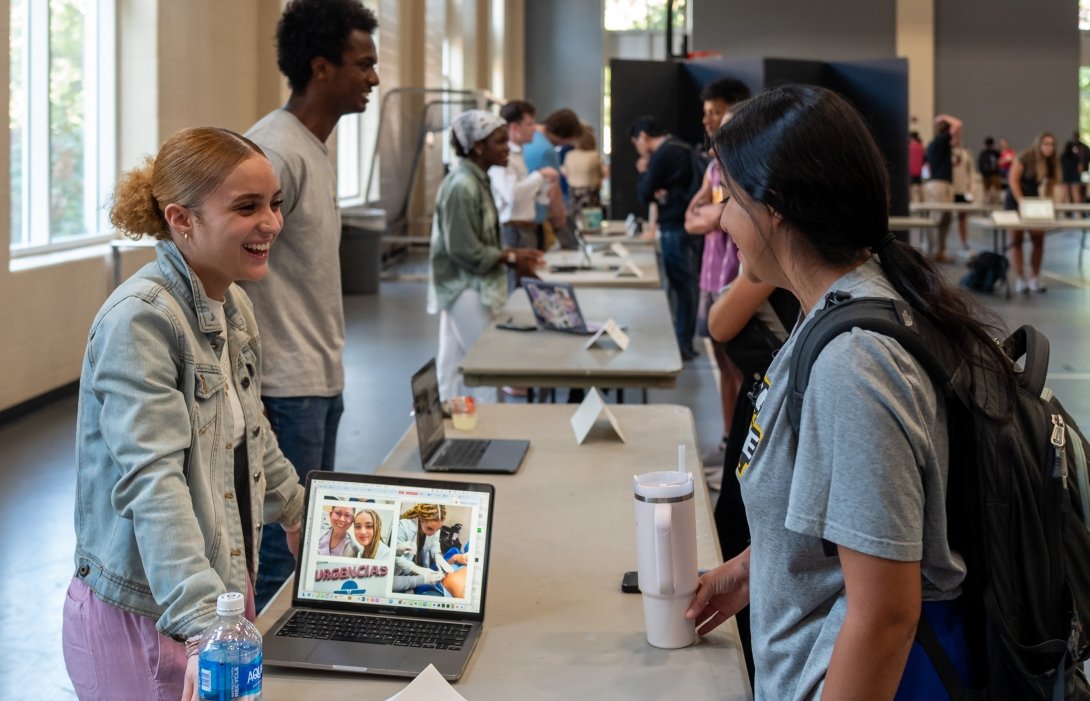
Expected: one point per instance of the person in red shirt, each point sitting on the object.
(915, 166)
(1006, 158)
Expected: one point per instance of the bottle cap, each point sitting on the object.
(231, 604)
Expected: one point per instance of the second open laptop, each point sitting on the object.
(363, 600)
(441, 454)
(556, 308)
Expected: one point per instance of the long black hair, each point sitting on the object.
(807, 154)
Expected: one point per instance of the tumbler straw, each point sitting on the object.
(681, 458)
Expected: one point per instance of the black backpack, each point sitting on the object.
(698, 164)
(986, 270)
(1017, 511)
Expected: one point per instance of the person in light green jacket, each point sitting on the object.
(467, 281)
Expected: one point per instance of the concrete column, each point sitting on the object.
(916, 42)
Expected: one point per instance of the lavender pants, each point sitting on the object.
(113, 654)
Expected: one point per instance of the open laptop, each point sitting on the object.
(441, 454)
(1037, 209)
(347, 612)
(556, 308)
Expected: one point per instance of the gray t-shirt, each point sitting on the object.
(299, 307)
(867, 470)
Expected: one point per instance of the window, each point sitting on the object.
(356, 134)
(356, 144)
(62, 122)
(625, 15)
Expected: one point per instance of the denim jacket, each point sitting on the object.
(158, 530)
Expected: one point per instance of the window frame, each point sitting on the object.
(100, 130)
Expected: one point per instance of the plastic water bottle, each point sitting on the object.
(230, 654)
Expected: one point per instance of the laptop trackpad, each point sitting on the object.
(345, 654)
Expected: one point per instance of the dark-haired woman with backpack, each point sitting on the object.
(847, 514)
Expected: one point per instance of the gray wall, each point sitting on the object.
(1011, 71)
(828, 30)
(564, 58)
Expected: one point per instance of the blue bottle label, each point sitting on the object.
(222, 681)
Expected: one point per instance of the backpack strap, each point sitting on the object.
(889, 317)
(1031, 343)
(944, 668)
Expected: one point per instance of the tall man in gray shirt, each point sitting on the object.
(326, 50)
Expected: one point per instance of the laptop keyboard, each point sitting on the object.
(462, 453)
(407, 632)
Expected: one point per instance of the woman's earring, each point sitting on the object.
(185, 235)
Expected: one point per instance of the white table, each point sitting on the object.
(645, 259)
(557, 625)
(951, 207)
(616, 231)
(557, 359)
(1000, 231)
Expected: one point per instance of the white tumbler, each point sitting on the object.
(666, 555)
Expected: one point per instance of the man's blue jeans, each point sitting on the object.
(681, 260)
(306, 429)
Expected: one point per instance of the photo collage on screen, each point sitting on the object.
(396, 549)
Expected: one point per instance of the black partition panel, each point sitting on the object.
(671, 92)
(638, 88)
(879, 90)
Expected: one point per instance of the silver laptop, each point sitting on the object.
(556, 308)
(441, 454)
(1037, 209)
(358, 605)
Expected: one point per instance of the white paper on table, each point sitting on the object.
(1006, 218)
(619, 248)
(429, 685)
(615, 333)
(629, 268)
(584, 418)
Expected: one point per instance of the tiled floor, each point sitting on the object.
(389, 336)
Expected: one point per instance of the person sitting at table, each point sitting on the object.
(467, 283)
(865, 473)
(335, 540)
(367, 532)
(1033, 174)
(418, 557)
(177, 464)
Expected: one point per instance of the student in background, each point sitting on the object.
(326, 49)
(867, 469)
(963, 176)
(585, 171)
(988, 165)
(719, 263)
(467, 281)
(1071, 170)
(666, 180)
(939, 187)
(915, 167)
(516, 190)
(1033, 174)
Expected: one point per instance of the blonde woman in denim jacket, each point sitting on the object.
(178, 468)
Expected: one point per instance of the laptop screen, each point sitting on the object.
(1036, 209)
(427, 410)
(554, 305)
(377, 542)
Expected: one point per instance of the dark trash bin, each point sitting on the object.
(361, 252)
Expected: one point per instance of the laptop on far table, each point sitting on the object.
(348, 611)
(556, 308)
(441, 454)
(1037, 209)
